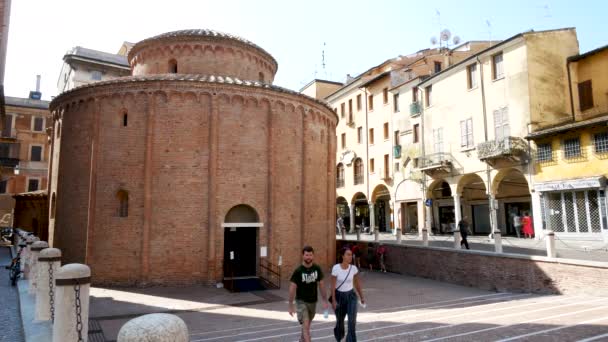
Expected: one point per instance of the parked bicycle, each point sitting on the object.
(15, 267)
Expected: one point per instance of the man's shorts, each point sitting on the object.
(306, 311)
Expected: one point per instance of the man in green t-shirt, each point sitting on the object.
(303, 289)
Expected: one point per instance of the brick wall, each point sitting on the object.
(489, 271)
(206, 56)
(190, 152)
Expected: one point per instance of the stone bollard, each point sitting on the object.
(72, 303)
(551, 252)
(157, 327)
(425, 237)
(398, 235)
(498, 241)
(35, 249)
(48, 265)
(343, 231)
(457, 238)
(376, 234)
(358, 231)
(25, 257)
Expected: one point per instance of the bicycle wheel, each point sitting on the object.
(14, 275)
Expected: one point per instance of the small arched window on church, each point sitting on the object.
(261, 77)
(125, 118)
(53, 204)
(123, 201)
(173, 66)
(58, 132)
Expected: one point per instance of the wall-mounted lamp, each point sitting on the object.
(16, 171)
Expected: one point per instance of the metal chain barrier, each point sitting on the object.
(78, 312)
(604, 247)
(51, 292)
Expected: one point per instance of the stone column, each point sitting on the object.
(428, 217)
(372, 222)
(159, 327)
(425, 237)
(537, 214)
(494, 224)
(457, 218)
(49, 262)
(25, 257)
(352, 219)
(72, 303)
(36, 247)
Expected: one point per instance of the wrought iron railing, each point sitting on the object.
(270, 274)
(433, 160)
(397, 151)
(415, 108)
(507, 147)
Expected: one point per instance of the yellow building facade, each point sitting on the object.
(571, 156)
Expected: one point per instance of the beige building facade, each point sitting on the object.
(475, 161)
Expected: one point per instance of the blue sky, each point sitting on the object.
(358, 34)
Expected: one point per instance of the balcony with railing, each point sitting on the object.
(509, 148)
(9, 154)
(435, 162)
(397, 151)
(415, 108)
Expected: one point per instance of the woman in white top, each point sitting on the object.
(344, 282)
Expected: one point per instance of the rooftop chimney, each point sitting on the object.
(36, 95)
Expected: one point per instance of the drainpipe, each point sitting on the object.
(428, 213)
(570, 90)
(493, 217)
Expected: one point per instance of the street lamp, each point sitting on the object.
(16, 171)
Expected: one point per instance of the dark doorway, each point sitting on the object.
(481, 219)
(512, 210)
(240, 252)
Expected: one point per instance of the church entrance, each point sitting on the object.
(241, 244)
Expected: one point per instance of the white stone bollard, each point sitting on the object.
(550, 236)
(498, 241)
(358, 231)
(398, 234)
(25, 256)
(49, 262)
(35, 251)
(157, 327)
(425, 237)
(72, 303)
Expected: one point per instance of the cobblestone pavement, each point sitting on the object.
(10, 318)
(568, 249)
(400, 308)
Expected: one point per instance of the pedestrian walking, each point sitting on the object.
(517, 224)
(339, 225)
(526, 222)
(303, 291)
(345, 285)
(463, 226)
(381, 253)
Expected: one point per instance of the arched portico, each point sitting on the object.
(441, 206)
(512, 192)
(473, 198)
(381, 200)
(360, 210)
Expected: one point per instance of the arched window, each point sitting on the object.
(261, 77)
(358, 171)
(340, 176)
(53, 204)
(173, 66)
(125, 118)
(123, 199)
(58, 132)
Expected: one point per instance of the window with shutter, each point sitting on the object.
(501, 123)
(585, 95)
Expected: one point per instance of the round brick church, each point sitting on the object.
(195, 169)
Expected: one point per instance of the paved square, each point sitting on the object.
(400, 308)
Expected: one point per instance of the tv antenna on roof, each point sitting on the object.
(489, 31)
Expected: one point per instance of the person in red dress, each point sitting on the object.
(526, 223)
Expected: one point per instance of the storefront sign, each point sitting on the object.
(583, 183)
